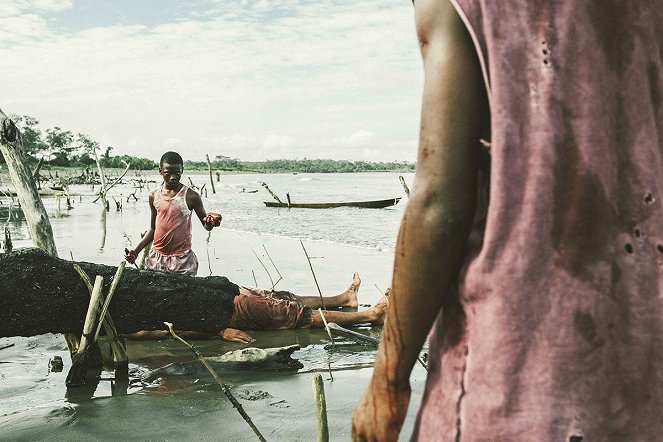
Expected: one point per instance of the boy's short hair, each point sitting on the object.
(171, 158)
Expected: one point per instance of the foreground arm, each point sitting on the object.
(438, 217)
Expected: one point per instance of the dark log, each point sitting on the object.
(41, 294)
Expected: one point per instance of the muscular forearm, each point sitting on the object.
(430, 245)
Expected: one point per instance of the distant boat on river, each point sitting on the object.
(375, 204)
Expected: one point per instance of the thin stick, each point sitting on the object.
(359, 337)
(314, 278)
(263, 266)
(320, 407)
(224, 387)
(6, 346)
(324, 321)
(114, 183)
(274, 265)
(209, 262)
(255, 281)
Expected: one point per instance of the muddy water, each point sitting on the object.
(169, 396)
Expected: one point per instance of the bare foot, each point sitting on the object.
(352, 292)
(380, 310)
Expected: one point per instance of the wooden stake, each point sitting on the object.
(271, 193)
(405, 188)
(120, 356)
(102, 177)
(209, 167)
(224, 387)
(320, 407)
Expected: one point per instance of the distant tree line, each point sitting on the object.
(58, 147)
(63, 148)
(306, 165)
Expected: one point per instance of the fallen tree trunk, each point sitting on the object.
(41, 294)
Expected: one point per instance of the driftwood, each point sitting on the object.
(41, 294)
(11, 147)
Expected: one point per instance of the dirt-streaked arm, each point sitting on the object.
(438, 218)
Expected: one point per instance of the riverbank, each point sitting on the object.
(185, 403)
(182, 402)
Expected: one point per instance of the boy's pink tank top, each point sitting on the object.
(172, 233)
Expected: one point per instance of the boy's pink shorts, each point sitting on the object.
(187, 263)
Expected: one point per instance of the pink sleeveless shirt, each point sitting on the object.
(555, 328)
(172, 233)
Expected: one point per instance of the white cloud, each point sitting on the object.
(265, 79)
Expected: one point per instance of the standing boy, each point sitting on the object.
(171, 208)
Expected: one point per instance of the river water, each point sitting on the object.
(255, 246)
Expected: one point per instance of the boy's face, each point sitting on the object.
(171, 174)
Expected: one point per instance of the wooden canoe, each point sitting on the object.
(376, 204)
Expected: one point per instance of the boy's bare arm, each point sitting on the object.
(195, 203)
(131, 255)
(438, 216)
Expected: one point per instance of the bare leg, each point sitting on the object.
(374, 315)
(346, 299)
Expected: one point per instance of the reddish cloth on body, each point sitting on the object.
(171, 247)
(257, 309)
(555, 328)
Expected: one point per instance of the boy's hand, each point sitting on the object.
(232, 334)
(213, 218)
(130, 256)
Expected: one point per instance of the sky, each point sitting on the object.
(247, 79)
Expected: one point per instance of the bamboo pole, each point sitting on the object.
(320, 407)
(109, 296)
(224, 387)
(92, 311)
(209, 167)
(120, 356)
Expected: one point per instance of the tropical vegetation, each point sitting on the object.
(63, 148)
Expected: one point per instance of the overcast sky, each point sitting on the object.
(249, 79)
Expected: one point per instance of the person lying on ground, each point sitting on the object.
(258, 309)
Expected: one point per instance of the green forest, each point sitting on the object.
(62, 148)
